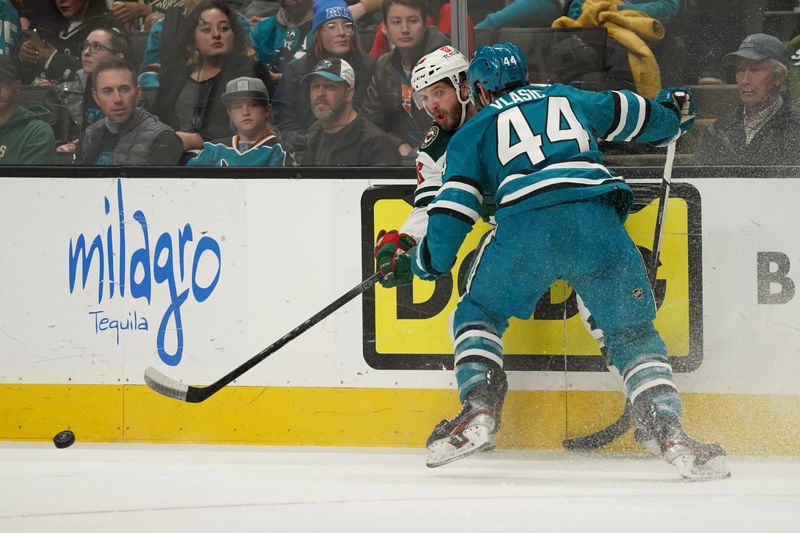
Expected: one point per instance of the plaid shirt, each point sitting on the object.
(754, 122)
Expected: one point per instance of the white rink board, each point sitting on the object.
(287, 248)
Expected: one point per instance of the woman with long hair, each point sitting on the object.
(335, 37)
(189, 97)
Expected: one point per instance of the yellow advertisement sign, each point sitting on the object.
(408, 327)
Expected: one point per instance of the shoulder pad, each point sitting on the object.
(435, 142)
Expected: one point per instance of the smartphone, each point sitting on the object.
(33, 36)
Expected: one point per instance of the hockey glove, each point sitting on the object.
(392, 262)
(680, 100)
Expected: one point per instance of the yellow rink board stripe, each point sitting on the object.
(744, 424)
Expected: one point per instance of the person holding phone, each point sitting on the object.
(52, 51)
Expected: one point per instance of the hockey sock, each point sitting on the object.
(476, 351)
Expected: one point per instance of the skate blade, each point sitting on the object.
(711, 470)
(472, 440)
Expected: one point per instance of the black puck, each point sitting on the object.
(64, 439)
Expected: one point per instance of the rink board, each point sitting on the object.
(104, 277)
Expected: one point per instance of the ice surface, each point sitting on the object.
(152, 488)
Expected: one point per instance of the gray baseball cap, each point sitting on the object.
(244, 87)
(760, 46)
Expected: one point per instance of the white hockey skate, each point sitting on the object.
(694, 460)
(475, 427)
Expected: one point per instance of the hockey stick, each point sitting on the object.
(186, 393)
(623, 423)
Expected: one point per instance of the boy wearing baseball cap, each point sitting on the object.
(255, 142)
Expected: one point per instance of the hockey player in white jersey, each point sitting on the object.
(439, 82)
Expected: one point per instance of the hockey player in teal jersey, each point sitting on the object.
(560, 215)
(256, 142)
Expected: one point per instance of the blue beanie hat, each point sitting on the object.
(325, 10)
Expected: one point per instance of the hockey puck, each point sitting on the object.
(64, 439)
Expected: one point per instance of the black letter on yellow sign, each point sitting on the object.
(407, 309)
(766, 278)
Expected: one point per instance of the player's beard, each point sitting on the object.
(452, 117)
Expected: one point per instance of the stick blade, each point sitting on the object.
(164, 385)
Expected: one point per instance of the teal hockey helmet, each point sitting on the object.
(497, 67)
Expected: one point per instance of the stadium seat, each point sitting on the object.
(138, 42)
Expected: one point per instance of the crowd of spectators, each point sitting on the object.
(327, 82)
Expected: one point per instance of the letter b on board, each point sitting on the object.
(769, 278)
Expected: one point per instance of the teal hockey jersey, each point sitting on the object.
(532, 148)
(267, 152)
(9, 29)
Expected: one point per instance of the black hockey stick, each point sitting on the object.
(186, 393)
(623, 423)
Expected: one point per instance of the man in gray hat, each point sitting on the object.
(765, 129)
(255, 142)
(25, 137)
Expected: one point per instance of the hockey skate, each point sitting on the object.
(694, 460)
(475, 427)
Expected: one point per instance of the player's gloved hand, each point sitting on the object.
(681, 101)
(392, 262)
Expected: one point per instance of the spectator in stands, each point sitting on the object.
(127, 135)
(25, 137)
(31, 14)
(10, 29)
(342, 137)
(256, 142)
(189, 97)
(541, 13)
(285, 37)
(765, 130)
(157, 59)
(52, 49)
(389, 103)
(76, 94)
(334, 36)
(439, 16)
(129, 12)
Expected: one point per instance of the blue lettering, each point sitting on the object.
(141, 258)
(140, 270)
(86, 262)
(206, 243)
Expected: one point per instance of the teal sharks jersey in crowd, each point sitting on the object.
(9, 29)
(267, 152)
(536, 147)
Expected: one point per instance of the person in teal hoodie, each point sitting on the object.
(541, 13)
(25, 137)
